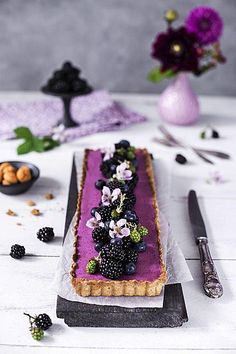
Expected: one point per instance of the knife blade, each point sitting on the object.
(211, 284)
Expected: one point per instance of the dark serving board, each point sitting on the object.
(78, 314)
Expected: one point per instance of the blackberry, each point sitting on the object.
(129, 201)
(111, 269)
(113, 184)
(127, 243)
(181, 159)
(36, 333)
(114, 251)
(133, 182)
(100, 234)
(17, 251)
(105, 212)
(46, 234)
(43, 321)
(106, 166)
(131, 256)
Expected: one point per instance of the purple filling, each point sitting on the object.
(148, 266)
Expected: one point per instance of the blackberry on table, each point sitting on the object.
(111, 268)
(43, 321)
(45, 234)
(17, 251)
(114, 251)
(100, 234)
(131, 256)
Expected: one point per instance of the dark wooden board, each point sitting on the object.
(78, 314)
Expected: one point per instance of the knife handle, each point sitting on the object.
(212, 286)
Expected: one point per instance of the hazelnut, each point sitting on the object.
(3, 165)
(5, 183)
(24, 174)
(35, 212)
(11, 213)
(9, 168)
(10, 177)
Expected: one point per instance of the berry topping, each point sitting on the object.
(114, 251)
(140, 247)
(92, 266)
(93, 211)
(17, 251)
(131, 256)
(99, 184)
(105, 212)
(124, 144)
(46, 234)
(131, 216)
(135, 236)
(100, 234)
(111, 268)
(130, 268)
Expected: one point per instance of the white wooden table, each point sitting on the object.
(27, 285)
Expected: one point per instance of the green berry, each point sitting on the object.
(142, 230)
(135, 236)
(121, 151)
(203, 135)
(130, 155)
(132, 149)
(91, 266)
(37, 333)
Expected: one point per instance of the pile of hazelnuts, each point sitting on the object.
(11, 175)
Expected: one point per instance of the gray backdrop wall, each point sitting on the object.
(109, 39)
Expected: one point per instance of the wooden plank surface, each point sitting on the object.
(27, 285)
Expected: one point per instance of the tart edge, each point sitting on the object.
(88, 287)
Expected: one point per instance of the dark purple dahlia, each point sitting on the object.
(176, 49)
(206, 23)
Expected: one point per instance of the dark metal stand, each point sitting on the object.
(78, 314)
(67, 119)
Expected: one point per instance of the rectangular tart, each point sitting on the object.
(150, 274)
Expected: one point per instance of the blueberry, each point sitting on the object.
(99, 184)
(130, 268)
(215, 134)
(131, 216)
(140, 247)
(93, 211)
(126, 188)
(117, 146)
(99, 246)
(113, 168)
(124, 144)
(117, 241)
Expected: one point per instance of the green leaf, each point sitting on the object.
(156, 75)
(25, 147)
(38, 144)
(23, 133)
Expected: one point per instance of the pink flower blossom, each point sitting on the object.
(108, 151)
(108, 197)
(95, 221)
(119, 229)
(123, 173)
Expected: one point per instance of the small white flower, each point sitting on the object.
(59, 133)
(123, 173)
(95, 222)
(119, 229)
(109, 152)
(108, 197)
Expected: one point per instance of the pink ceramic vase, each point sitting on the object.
(178, 104)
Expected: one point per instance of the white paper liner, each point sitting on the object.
(177, 268)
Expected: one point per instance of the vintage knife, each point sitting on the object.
(211, 285)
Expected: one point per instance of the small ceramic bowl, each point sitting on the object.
(20, 188)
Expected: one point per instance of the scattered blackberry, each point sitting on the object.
(100, 234)
(181, 159)
(129, 201)
(114, 251)
(127, 243)
(131, 256)
(113, 184)
(111, 269)
(17, 251)
(215, 134)
(43, 321)
(37, 333)
(105, 212)
(45, 234)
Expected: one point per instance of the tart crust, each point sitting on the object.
(88, 287)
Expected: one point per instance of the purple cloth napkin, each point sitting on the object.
(96, 112)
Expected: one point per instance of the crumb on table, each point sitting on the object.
(11, 213)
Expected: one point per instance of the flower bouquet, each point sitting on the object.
(193, 47)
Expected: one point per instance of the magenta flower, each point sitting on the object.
(95, 222)
(123, 173)
(119, 229)
(108, 197)
(206, 23)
